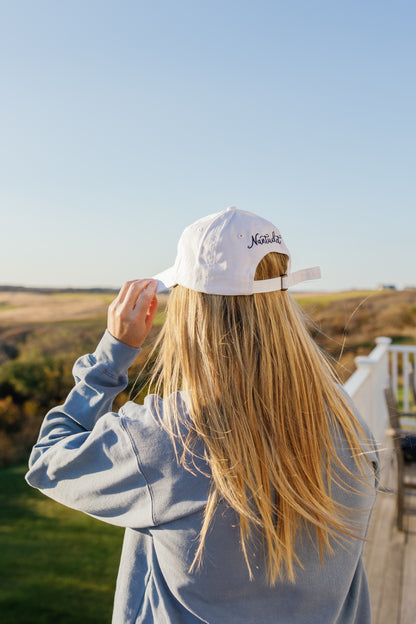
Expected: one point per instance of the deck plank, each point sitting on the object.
(384, 562)
(408, 606)
(390, 555)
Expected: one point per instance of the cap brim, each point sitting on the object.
(166, 279)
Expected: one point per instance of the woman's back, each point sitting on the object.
(220, 591)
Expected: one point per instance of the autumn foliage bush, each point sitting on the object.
(40, 376)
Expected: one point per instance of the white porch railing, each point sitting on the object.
(366, 384)
(366, 387)
(403, 360)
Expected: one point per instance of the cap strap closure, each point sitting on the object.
(286, 281)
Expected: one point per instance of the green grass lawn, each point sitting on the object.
(56, 565)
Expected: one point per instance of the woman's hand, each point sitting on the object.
(131, 314)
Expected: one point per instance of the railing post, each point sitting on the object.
(366, 364)
(367, 384)
(406, 370)
(394, 373)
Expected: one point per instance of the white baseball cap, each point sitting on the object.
(219, 254)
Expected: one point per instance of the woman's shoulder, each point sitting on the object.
(158, 421)
(157, 409)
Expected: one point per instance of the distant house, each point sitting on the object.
(387, 287)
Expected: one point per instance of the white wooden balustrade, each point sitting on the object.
(366, 384)
(403, 360)
(366, 387)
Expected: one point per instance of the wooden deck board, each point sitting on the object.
(390, 555)
(408, 606)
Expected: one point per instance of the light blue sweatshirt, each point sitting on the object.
(121, 468)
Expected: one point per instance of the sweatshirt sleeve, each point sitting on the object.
(84, 457)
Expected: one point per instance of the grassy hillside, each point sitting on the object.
(346, 324)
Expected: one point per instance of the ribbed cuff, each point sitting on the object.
(117, 355)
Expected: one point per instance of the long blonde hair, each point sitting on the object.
(264, 400)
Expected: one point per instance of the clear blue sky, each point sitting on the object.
(123, 121)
